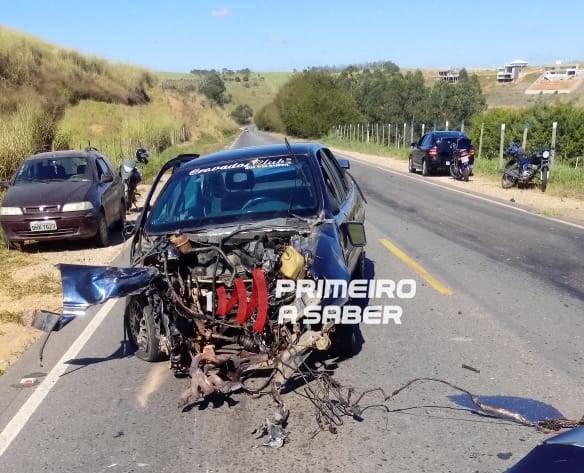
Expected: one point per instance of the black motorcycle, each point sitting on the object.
(131, 176)
(461, 159)
(521, 169)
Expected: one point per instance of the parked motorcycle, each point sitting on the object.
(131, 176)
(521, 169)
(462, 158)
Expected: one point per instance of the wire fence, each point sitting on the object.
(489, 140)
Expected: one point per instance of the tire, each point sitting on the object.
(102, 235)
(453, 171)
(121, 221)
(544, 178)
(142, 330)
(130, 196)
(507, 181)
(411, 165)
(425, 170)
(10, 245)
(344, 340)
(465, 173)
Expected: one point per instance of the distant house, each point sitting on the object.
(510, 71)
(561, 71)
(449, 75)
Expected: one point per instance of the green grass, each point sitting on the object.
(369, 148)
(256, 93)
(275, 80)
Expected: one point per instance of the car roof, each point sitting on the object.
(70, 153)
(242, 154)
(448, 133)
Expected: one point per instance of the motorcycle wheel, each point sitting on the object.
(453, 171)
(465, 173)
(130, 197)
(142, 330)
(509, 181)
(544, 178)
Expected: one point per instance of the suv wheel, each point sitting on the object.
(425, 170)
(121, 221)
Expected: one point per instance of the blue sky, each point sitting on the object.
(282, 35)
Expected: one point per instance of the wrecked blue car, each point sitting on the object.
(221, 235)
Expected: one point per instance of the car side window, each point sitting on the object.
(102, 168)
(338, 172)
(427, 139)
(333, 183)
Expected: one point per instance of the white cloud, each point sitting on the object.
(276, 40)
(221, 12)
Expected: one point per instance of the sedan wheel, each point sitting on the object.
(121, 221)
(142, 329)
(102, 236)
(10, 245)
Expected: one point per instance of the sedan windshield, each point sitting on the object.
(234, 192)
(73, 168)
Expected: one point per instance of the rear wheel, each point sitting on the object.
(425, 170)
(508, 181)
(453, 171)
(465, 173)
(102, 235)
(142, 329)
(544, 178)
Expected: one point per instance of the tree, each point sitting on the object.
(242, 114)
(213, 87)
(310, 103)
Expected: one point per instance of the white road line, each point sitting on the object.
(467, 193)
(23, 415)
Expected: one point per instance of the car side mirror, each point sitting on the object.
(106, 178)
(356, 233)
(344, 163)
(414, 144)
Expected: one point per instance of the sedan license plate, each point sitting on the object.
(43, 226)
(464, 159)
(447, 163)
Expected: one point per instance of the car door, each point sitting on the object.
(349, 205)
(108, 190)
(422, 149)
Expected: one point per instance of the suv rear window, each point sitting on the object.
(444, 143)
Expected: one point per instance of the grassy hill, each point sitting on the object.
(58, 98)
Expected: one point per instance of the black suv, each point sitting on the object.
(433, 152)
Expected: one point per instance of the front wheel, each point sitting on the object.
(102, 235)
(142, 329)
(411, 165)
(454, 171)
(544, 178)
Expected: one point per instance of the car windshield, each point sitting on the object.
(73, 168)
(235, 192)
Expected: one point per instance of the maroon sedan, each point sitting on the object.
(62, 195)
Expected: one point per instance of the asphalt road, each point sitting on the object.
(514, 312)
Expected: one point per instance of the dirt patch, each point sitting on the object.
(540, 203)
(31, 281)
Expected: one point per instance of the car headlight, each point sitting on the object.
(77, 206)
(10, 211)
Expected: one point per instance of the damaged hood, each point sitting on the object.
(84, 286)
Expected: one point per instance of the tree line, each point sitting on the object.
(315, 100)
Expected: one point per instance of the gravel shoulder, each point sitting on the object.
(32, 281)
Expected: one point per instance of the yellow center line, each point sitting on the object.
(441, 288)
